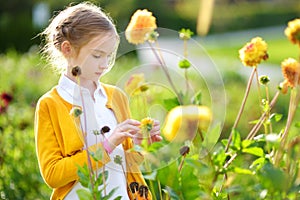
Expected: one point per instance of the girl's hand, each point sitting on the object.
(154, 133)
(127, 128)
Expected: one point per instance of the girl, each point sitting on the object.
(85, 39)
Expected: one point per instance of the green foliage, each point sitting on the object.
(19, 172)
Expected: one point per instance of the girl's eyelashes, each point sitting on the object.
(100, 56)
(96, 56)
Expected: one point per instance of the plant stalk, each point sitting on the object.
(241, 108)
(165, 69)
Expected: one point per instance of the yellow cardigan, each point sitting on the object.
(59, 147)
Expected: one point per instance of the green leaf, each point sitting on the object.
(258, 163)
(84, 194)
(109, 195)
(156, 145)
(190, 186)
(276, 117)
(297, 124)
(171, 193)
(274, 179)
(170, 103)
(257, 151)
(254, 121)
(83, 173)
(98, 155)
(169, 176)
(224, 142)
(236, 141)
(242, 171)
(247, 143)
(197, 98)
(151, 176)
(219, 157)
(99, 180)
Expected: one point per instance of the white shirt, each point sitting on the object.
(97, 116)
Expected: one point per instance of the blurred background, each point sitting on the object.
(21, 21)
(25, 75)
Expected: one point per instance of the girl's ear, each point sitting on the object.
(66, 48)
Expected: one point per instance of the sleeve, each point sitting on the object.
(56, 169)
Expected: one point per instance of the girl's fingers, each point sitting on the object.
(128, 128)
(129, 125)
(126, 134)
(157, 138)
(131, 122)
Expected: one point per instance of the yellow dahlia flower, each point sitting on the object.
(291, 71)
(135, 84)
(293, 31)
(182, 122)
(147, 124)
(142, 23)
(254, 52)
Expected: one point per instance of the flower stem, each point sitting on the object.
(258, 87)
(84, 132)
(257, 126)
(165, 69)
(241, 108)
(185, 54)
(181, 163)
(254, 129)
(294, 100)
(268, 100)
(148, 170)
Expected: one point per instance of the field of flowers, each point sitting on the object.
(250, 152)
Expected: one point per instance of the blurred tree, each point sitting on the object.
(16, 29)
(18, 32)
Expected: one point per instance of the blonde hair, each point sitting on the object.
(77, 24)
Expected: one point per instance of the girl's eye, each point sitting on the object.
(97, 56)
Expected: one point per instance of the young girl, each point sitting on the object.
(85, 39)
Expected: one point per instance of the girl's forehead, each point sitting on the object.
(108, 40)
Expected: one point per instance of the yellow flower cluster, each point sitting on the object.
(182, 122)
(293, 31)
(291, 71)
(147, 124)
(142, 23)
(135, 84)
(254, 52)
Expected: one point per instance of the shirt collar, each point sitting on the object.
(66, 88)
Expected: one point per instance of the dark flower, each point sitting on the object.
(76, 71)
(134, 187)
(105, 129)
(184, 150)
(143, 191)
(5, 99)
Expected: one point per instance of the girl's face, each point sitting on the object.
(94, 57)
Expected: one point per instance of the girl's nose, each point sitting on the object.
(103, 64)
